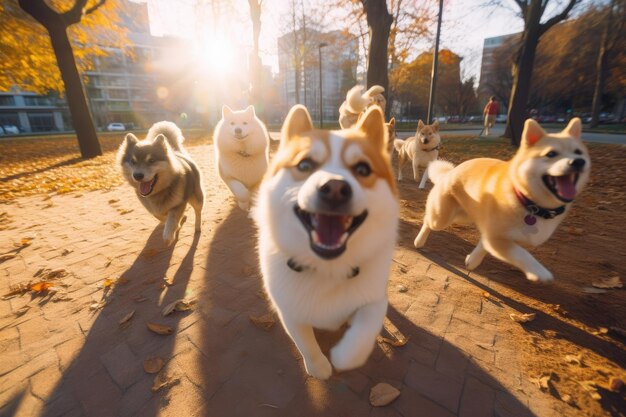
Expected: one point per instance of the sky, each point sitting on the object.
(466, 23)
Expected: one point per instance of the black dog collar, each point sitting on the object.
(436, 148)
(535, 210)
(299, 268)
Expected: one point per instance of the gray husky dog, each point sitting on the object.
(163, 175)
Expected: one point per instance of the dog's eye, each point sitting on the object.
(578, 152)
(306, 165)
(245, 123)
(151, 161)
(232, 123)
(132, 162)
(552, 154)
(362, 169)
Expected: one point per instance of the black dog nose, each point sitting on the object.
(238, 131)
(138, 176)
(425, 141)
(577, 163)
(335, 192)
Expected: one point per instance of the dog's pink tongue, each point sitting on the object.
(144, 187)
(565, 187)
(330, 229)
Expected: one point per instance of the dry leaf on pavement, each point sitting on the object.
(178, 305)
(163, 380)
(22, 311)
(40, 287)
(615, 384)
(264, 322)
(382, 394)
(612, 282)
(393, 342)
(577, 359)
(152, 365)
(522, 318)
(542, 382)
(6, 257)
(126, 319)
(56, 273)
(590, 387)
(160, 329)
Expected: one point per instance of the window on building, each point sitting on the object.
(7, 101)
(118, 94)
(37, 101)
(41, 122)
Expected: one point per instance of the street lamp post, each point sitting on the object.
(319, 47)
(433, 77)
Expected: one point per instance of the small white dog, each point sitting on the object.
(357, 102)
(421, 149)
(242, 152)
(327, 215)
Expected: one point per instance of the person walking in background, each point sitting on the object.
(490, 112)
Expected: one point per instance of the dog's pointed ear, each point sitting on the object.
(392, 122)
(226, 111)
(435, 126)
(297, 122)
(250, 111)
(574, 128)
(532, 132)
(373, 124)
(420, 125)
(161, 140)
(130, 139)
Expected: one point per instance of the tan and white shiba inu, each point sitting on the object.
(163, 175)
(358, 101)
(241, 151)
(421, 150)
(327, 215)
(514, 203)
(391, 135)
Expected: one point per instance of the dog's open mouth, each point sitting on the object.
(563, 186)
(146, 187)
(241, 137)
(329, 233)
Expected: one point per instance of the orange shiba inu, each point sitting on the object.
(327, 215)
(514, 203)
(421, 150)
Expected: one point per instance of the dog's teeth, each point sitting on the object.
(347, 222)
(315, 220)
(343, 239)
(316, 237)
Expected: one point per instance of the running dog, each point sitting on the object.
(357, 102)
(327, 215)
(241, 151)
(421, 149)
(514, 203)
(164, 176)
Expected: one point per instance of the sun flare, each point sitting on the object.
(216, 55)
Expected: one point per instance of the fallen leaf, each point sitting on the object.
(160, 329)
(590, 387)
(382, 394)
(612, 282)
(114, 200)
(393, 342)
(22, 311)
(123, 211)
(485, 295)
(115, 225)
(522, 318)
(153, 365)
(178, 305)
(6, 257)
(97, 306)
(41, 286)
(591, 290)
(108, 262)
(615, 384)
(402, 288)
(542, 382)
(27, 241)
(601, 330)
(577, 359)
(140, 299)
(264, 322)
(162, 380)
(56, 273)
(126, 319)
(107, 283)
(66, 252)
(566, 398)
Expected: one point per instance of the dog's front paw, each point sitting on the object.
(319, 368)
(169, 237)
(346, 357)
(244, 205)
(544, 277)
(472, 263)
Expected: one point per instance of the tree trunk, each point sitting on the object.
(602, 64)
(255, 61)
(379, 21)
(522, 75)
(76, 100)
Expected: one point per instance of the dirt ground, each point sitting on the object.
(572, 317)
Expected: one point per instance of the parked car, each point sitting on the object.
(501, 118)
(116, 127)
(11, 130)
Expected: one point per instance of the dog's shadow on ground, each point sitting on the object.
(448, 251)
(109, 364)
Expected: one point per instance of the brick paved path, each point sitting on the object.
(61, 357)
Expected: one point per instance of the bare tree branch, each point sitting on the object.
(94, 7)
(558, 18)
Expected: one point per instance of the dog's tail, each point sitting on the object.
(374, 91)
(438, 169)
(356, 101)
(398, 143)
(172, 133)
